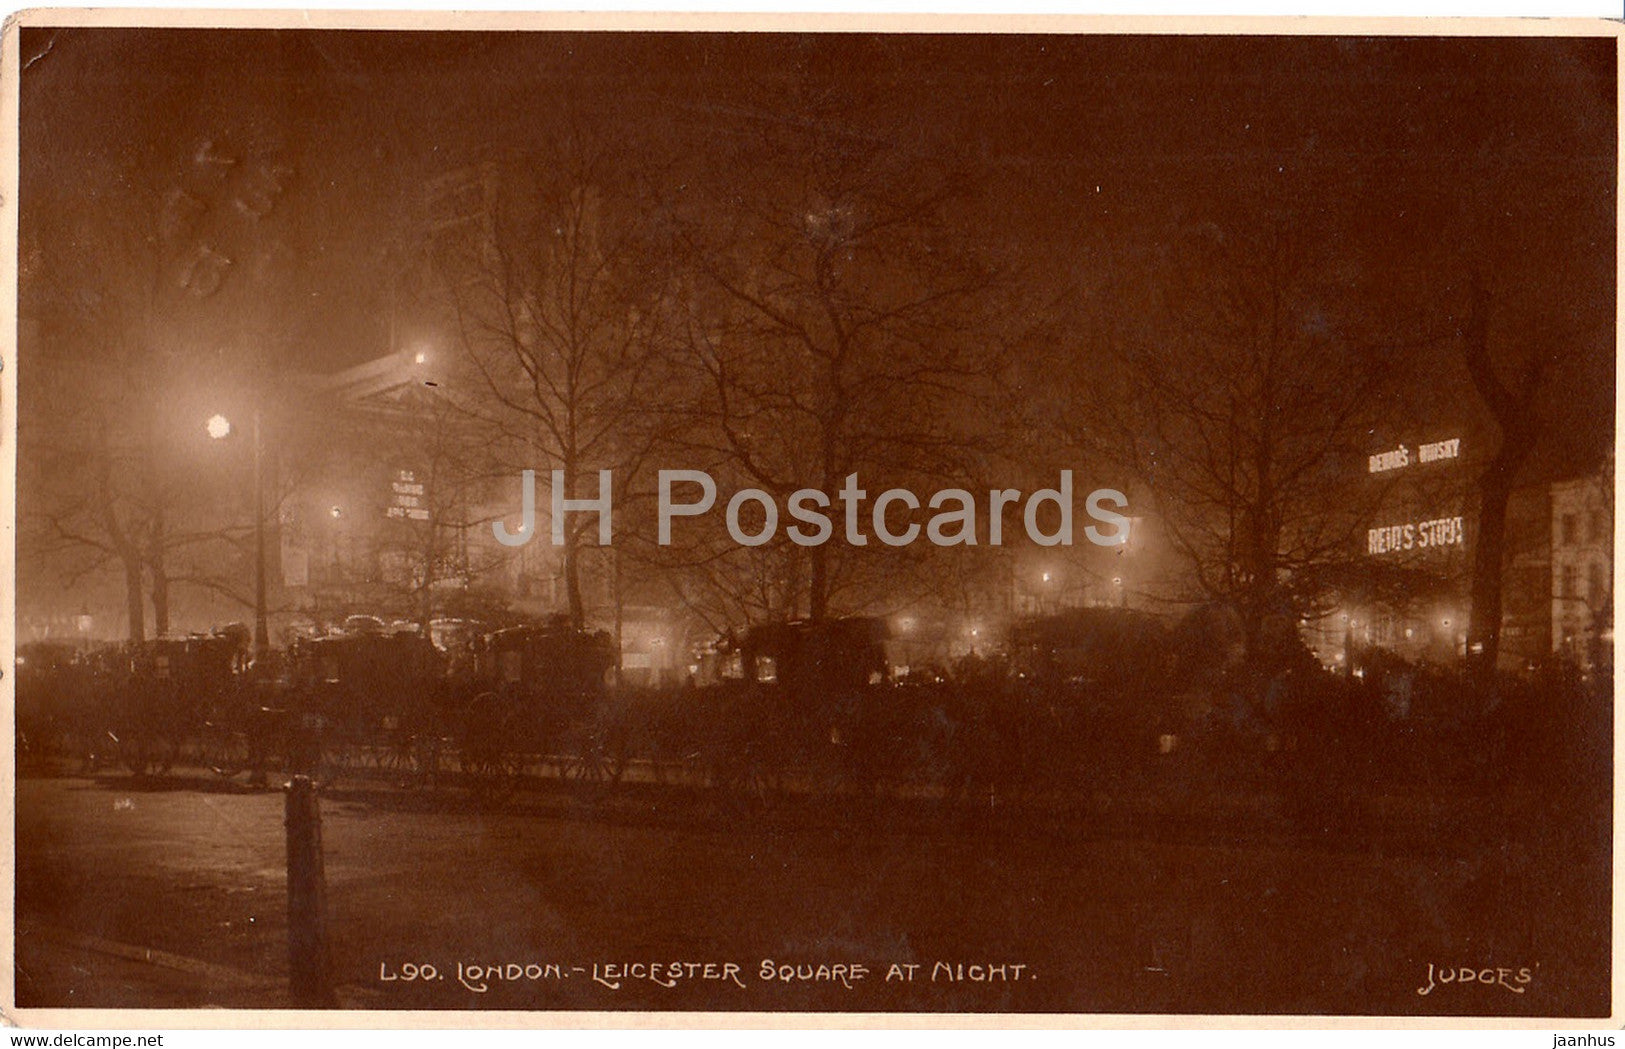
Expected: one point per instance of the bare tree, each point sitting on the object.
(840, 321)
(1241, 408)
(560, 304)
(131, 292)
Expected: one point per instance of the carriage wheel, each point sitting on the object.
(145, 753)
(492, 773)
(594, 771)
(340, 758)
(411, 760)
(490, 765)
(225, 751)
(397, 756)
(747, 781)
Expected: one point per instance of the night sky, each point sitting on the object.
(1418, 160)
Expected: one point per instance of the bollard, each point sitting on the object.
(307, 900)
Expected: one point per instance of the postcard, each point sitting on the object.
(1035, 520)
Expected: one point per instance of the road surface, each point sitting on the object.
(172, 893)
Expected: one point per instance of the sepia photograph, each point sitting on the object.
(717, 516)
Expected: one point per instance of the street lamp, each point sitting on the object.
(219, 428)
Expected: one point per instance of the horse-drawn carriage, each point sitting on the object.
(163, 695)
(1086, 703)
(144, 705)
(57, 708)
(804, 707)
(539, 696)
(353, 702)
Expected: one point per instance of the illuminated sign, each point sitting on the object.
(1385, 461)
(407, 497)
(1401, 457)
(1432, 453)
(1418, 535)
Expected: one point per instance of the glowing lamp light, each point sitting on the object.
(218, 426)
(420, 357)
(1046, 577)
(336, 512)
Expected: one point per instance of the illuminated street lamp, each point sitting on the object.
(219, 428)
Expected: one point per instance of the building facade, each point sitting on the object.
(1582, 571)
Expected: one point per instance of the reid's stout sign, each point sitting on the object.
(1427, 534)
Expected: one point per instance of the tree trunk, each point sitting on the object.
(572, 557)
(818, 586)
(135, 601)
(1261, 541)
(620, 613)
(1512, 408)
(426, 602)
(572, 579)
(160, 601)
(1489, 554)
(160, 577)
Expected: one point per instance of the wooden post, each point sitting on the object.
(308, 980)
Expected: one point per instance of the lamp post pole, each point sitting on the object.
(219, 428)
(262, 634)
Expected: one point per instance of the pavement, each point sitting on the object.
(76, 970)
(173, 894)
